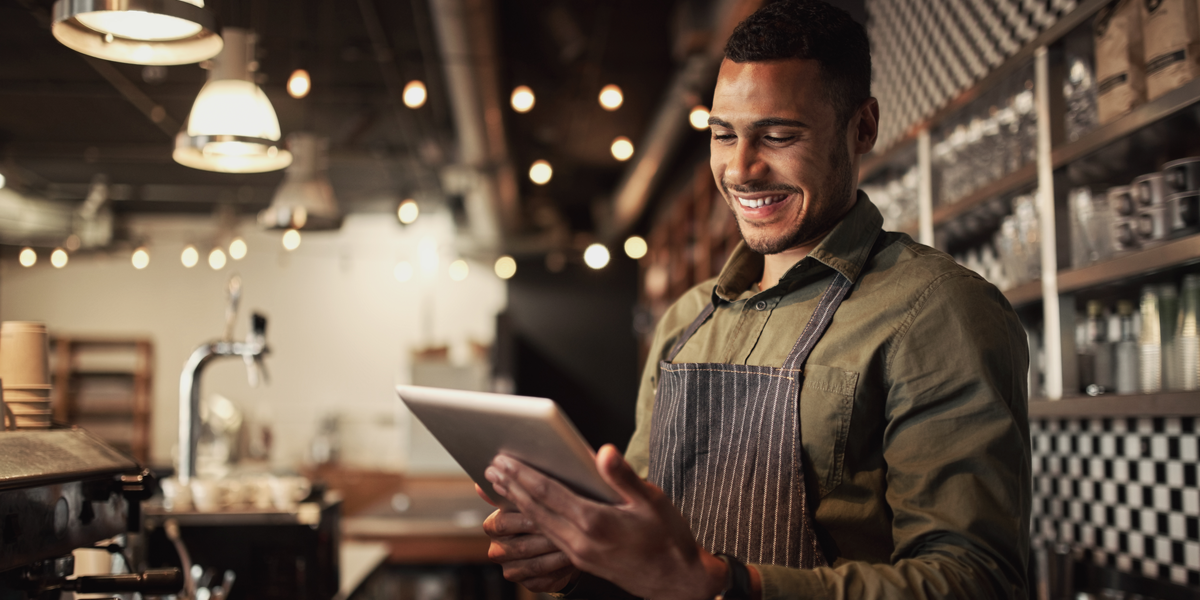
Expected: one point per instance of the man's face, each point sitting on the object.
(779, 153)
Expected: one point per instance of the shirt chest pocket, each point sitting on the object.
(826, 403)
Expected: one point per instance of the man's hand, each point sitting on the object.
(642, 544)
(527, 557)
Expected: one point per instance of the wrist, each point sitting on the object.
(717, 575)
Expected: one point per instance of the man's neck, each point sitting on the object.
(775, 266)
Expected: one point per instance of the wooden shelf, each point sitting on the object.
(1163, 404)
(84, 369)
(1151, 112)
(1024, 176)
(1142, 262)
(1030, 291)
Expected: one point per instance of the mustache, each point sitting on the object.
(755, 189)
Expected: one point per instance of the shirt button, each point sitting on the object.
(761, 305)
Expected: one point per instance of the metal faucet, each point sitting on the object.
(251, 351)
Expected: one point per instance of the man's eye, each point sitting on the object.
(779, 139)
(721, 137)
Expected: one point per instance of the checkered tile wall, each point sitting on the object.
(926, 52)
(1122, 492)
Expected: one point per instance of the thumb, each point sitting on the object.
(618, 474)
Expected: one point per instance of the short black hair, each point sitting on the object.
(809, 29)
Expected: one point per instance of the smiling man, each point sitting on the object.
(841, 413)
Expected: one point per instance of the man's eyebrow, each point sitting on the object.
(761, 123)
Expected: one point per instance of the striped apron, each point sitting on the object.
(725, 447)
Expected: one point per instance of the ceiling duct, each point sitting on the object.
(305, 199)
(467, 41)
(670, 123)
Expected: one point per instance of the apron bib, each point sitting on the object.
(725, 447)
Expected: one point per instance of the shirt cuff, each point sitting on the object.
(785, 582)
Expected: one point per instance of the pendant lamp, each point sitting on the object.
(232, 127)
(141, 32)
(305, 199)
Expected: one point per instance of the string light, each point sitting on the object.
(237, 249)
(59, 258)
(216, 259)
(291, 240)
(596, 256)
(523, 99)
(506, 267)
(408, 211)
(140, 258)
(459, 270)
(622, 148)
(414, 94)
(635, 247)
(541, 172)
(699, 118)
(28, 257)
(299, 84)
(611, 97)
(190, 257)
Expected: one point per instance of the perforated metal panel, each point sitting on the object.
(926, 52)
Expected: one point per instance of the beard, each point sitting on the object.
(825, 207)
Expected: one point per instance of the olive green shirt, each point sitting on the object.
(913, 412)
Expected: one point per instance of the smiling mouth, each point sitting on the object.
(760, 202)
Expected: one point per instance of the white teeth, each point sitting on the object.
(760, 202)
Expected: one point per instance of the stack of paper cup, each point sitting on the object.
(25, 373)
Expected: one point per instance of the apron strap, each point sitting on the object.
(818, 322)
(691, 330)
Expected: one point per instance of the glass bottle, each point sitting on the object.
(1150, 343)
(1126, 351)
(1097, 352)
(1187, 338)
(1168, 314)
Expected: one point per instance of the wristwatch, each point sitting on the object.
(737, 579)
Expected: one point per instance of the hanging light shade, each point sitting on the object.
(141, 32)
(232, 127)
(305, 199)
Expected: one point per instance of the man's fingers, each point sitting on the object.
(504, 523)
(520, 547)
(548, 503)
(618, 474)
(537, 567)
(483, 494)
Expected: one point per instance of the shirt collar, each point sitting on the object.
(844, 250)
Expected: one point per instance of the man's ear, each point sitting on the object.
(865, 125)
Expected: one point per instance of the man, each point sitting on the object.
(841, 413)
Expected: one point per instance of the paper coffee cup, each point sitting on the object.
(24, 354)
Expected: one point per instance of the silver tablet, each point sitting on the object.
(476, 426)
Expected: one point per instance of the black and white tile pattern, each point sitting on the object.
(1122, 491)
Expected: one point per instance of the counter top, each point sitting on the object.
(1161, 404)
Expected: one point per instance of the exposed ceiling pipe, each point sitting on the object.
(466, 32)
(670, 122)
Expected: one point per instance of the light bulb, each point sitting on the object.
(140, 25)
(541, 172)
(237, 249)
(506, 267)
(414, 94)
(635, 247)
(596, 256)
(459, 270)
(299, 84)
(28, 257)
(140, 258)
(291, 240)
(522, 99)
(699, 118)
(611, 97)
(216, 259)
(190, 257)
(403, 271)
(58, 258)
(622, 148)
(408, 211)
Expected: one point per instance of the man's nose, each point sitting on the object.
(745, 163)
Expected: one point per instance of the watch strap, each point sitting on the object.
(737, 581)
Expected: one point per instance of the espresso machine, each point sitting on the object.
(63, 489)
